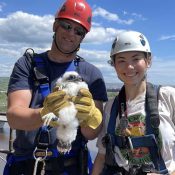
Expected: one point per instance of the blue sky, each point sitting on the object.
(28, 23)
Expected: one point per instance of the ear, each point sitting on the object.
(149, 61)
(55, 26)
(82, 38)
(84, 35)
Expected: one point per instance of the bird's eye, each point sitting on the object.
(71, 77)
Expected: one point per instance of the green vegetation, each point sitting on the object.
(4, 83)
(3, 102)
(3, 96)
(111, 94)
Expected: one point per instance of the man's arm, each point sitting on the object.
(19, 115)
(173, 173)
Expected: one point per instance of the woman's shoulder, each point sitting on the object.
(167, 95)
(167, 91)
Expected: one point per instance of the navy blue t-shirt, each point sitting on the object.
(22, 78)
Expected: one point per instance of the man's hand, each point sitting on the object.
(54, 102)
(87, 113)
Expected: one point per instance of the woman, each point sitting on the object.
(131, 57)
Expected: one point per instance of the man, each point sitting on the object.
(26, 109)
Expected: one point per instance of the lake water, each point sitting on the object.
(4, 144)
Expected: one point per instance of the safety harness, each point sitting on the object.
(150, 139)
(43, 148)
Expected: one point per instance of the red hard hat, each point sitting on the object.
(78, 11)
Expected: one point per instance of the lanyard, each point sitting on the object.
(123, 110)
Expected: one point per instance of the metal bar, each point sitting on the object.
(4, 151)
(11, 140)
(2, 158)
(3, 118)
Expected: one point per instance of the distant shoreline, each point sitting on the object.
(111, 87)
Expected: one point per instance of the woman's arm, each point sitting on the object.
(98, 164)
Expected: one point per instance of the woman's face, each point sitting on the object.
(131, 67)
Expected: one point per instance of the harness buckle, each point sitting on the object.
(40, 76)
(125, 142)
(40, 153)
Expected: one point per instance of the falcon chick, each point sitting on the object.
(71, 83)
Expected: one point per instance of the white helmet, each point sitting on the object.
(130, 41)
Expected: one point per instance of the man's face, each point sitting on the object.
(69, 34)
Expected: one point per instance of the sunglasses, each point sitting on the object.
(80, 31)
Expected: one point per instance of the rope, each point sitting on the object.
(43, 169)
(39, 159)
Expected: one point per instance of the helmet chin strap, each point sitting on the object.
(75, 50)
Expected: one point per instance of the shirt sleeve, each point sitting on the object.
(167, 120)
(21, 76)
(93, 76)
(167, 100)
(98, 90)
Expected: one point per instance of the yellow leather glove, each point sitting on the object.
(88, 114)
(53, 103)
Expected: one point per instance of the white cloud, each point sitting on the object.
(162, 71)
(101, 35)
(138, 16)
(21, 30)
(99, 59)
(24, 28)
(135, 15)
(105, 14)
(111, 16)
(5, 69)
(167, 37)
(2, 5)
(94, 55)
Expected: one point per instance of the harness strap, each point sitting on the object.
(42, 141)
(41, 74)
(135, 142)
(113, 116)
(43, 137)
(44, 148)
(51, 153)
(41, 77)
(40, 69)
(152, 125)
(90, 164)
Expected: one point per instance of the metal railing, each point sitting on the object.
(10, 142)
